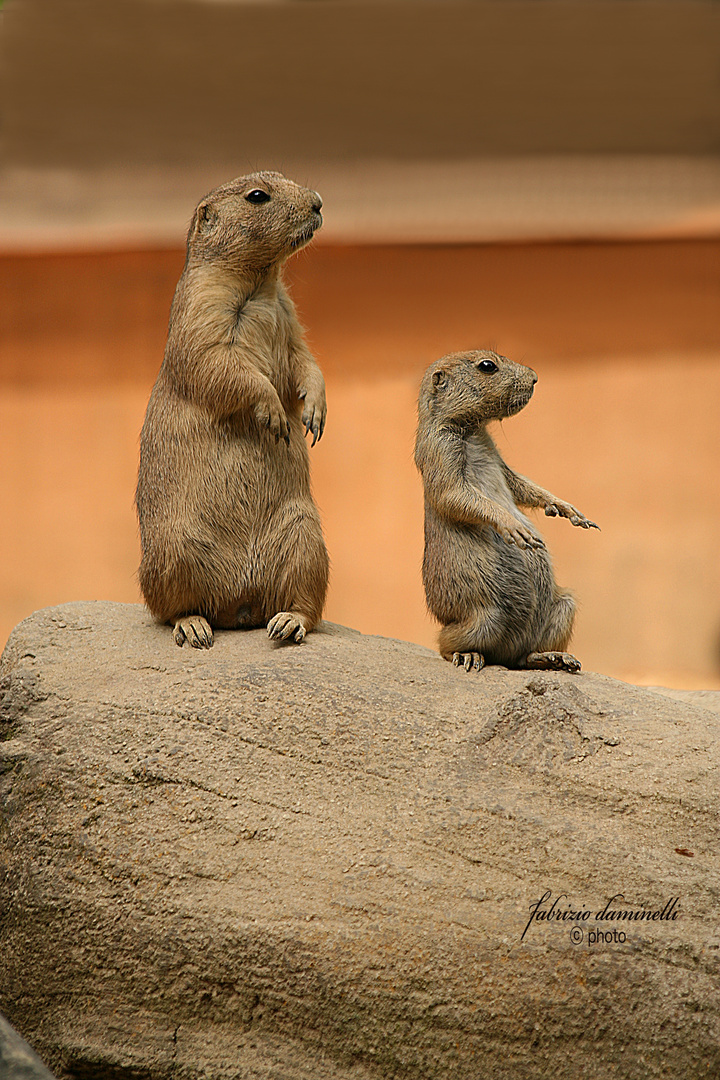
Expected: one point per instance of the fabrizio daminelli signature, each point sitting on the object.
(559, 910)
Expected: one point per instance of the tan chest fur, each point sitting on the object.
(268, 323)
(484, 471)
(211, 311)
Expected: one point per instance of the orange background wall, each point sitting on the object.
(625, 338)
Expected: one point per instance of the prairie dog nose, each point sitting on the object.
(317, 202)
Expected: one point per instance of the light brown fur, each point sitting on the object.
(229, 531)
(487, 575)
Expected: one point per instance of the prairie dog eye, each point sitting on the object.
(257, 195)
(488, 366)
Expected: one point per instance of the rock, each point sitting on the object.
(17, 1060)
(320, 861)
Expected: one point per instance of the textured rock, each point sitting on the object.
(319, 861)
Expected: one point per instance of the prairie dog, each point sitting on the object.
(487, 574)
(229, 531)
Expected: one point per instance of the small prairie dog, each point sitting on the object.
(229, 531)
(487, 574)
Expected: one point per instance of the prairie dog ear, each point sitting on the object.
(205, 216)
(439, 379)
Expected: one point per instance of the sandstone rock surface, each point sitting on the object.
(318, 861)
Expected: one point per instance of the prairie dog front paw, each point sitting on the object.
(513, 532)
(314, 413)
(271, 416)
(558, 508)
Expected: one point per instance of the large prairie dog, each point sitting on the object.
(229, 531)
(487, 574)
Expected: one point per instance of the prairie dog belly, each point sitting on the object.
(229, 458)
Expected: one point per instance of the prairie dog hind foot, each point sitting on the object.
(287, 626)
(471, 661)
(552, 661)
(195, 630)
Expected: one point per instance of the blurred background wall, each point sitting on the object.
(540, 176)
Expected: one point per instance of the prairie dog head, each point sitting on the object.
(471, 388)
(253, 222)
